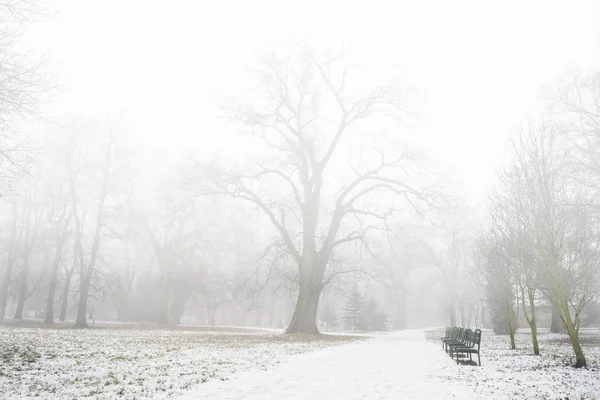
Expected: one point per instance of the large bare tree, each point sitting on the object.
(308, 116)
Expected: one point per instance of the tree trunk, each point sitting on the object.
(24, 278)
(579, 357)
(557, 325)
(536, 346)
(452, 313)
(49, 319)
(532, 324)
(65, 295)
(84, 291)
(568, 323)
(512, 324)
(304, 319)
(4, 290)
(60, 240)
(511, 333)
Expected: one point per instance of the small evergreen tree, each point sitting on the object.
(354, 311)
(374, 320)
(328, 317)
(498, 317)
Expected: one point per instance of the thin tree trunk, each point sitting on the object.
(65, 297)
(60, 241)
(4, 290)
(9, 266)
(84, 291)
(463, 321)
(568, 323)
(511, 333)
(24, 279)
(452, 312)
(512, 325)
(579, 357)
(530, 317)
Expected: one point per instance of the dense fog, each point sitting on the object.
(305, 167)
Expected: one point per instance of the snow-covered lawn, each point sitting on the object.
(127, 363)
(518, 374)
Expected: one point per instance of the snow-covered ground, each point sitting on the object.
(128, 363)
(394, 367)
(405, 366)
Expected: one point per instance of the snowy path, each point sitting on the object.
(403, 366)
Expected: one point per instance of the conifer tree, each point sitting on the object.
(354, 311)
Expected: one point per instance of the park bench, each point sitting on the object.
(470, 346)
(459, 341)
(451, 335)
(459, 338)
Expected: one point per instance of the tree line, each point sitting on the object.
(540, 244)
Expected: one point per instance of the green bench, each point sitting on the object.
(458, 341)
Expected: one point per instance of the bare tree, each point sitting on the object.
(61, 216)
(22, 86)
(549, 214)
(33, 213)
(16, 232)
(305, 112)
(511, 212)
(104, 175)
(495, 274)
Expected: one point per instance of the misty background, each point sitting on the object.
(158, 174)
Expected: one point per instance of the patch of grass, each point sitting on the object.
(14, 353)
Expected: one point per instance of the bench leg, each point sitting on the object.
(479, 358)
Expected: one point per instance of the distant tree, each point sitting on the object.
(495, 274)
(328, 316)
(354, 311)
(498, 318)
(374, 320)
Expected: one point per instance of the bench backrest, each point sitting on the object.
(453, 333)
(469, 338)
(477, 338)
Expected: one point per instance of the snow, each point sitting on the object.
(399, 367)
(126, 363)
(158, 364)
(406, 366)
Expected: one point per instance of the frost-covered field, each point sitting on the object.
(518, 374)
(126, 363)
(130, 363)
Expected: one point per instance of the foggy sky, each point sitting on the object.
(477, 65)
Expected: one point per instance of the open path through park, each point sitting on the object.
(399, 366)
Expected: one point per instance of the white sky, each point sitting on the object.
(478, 65)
